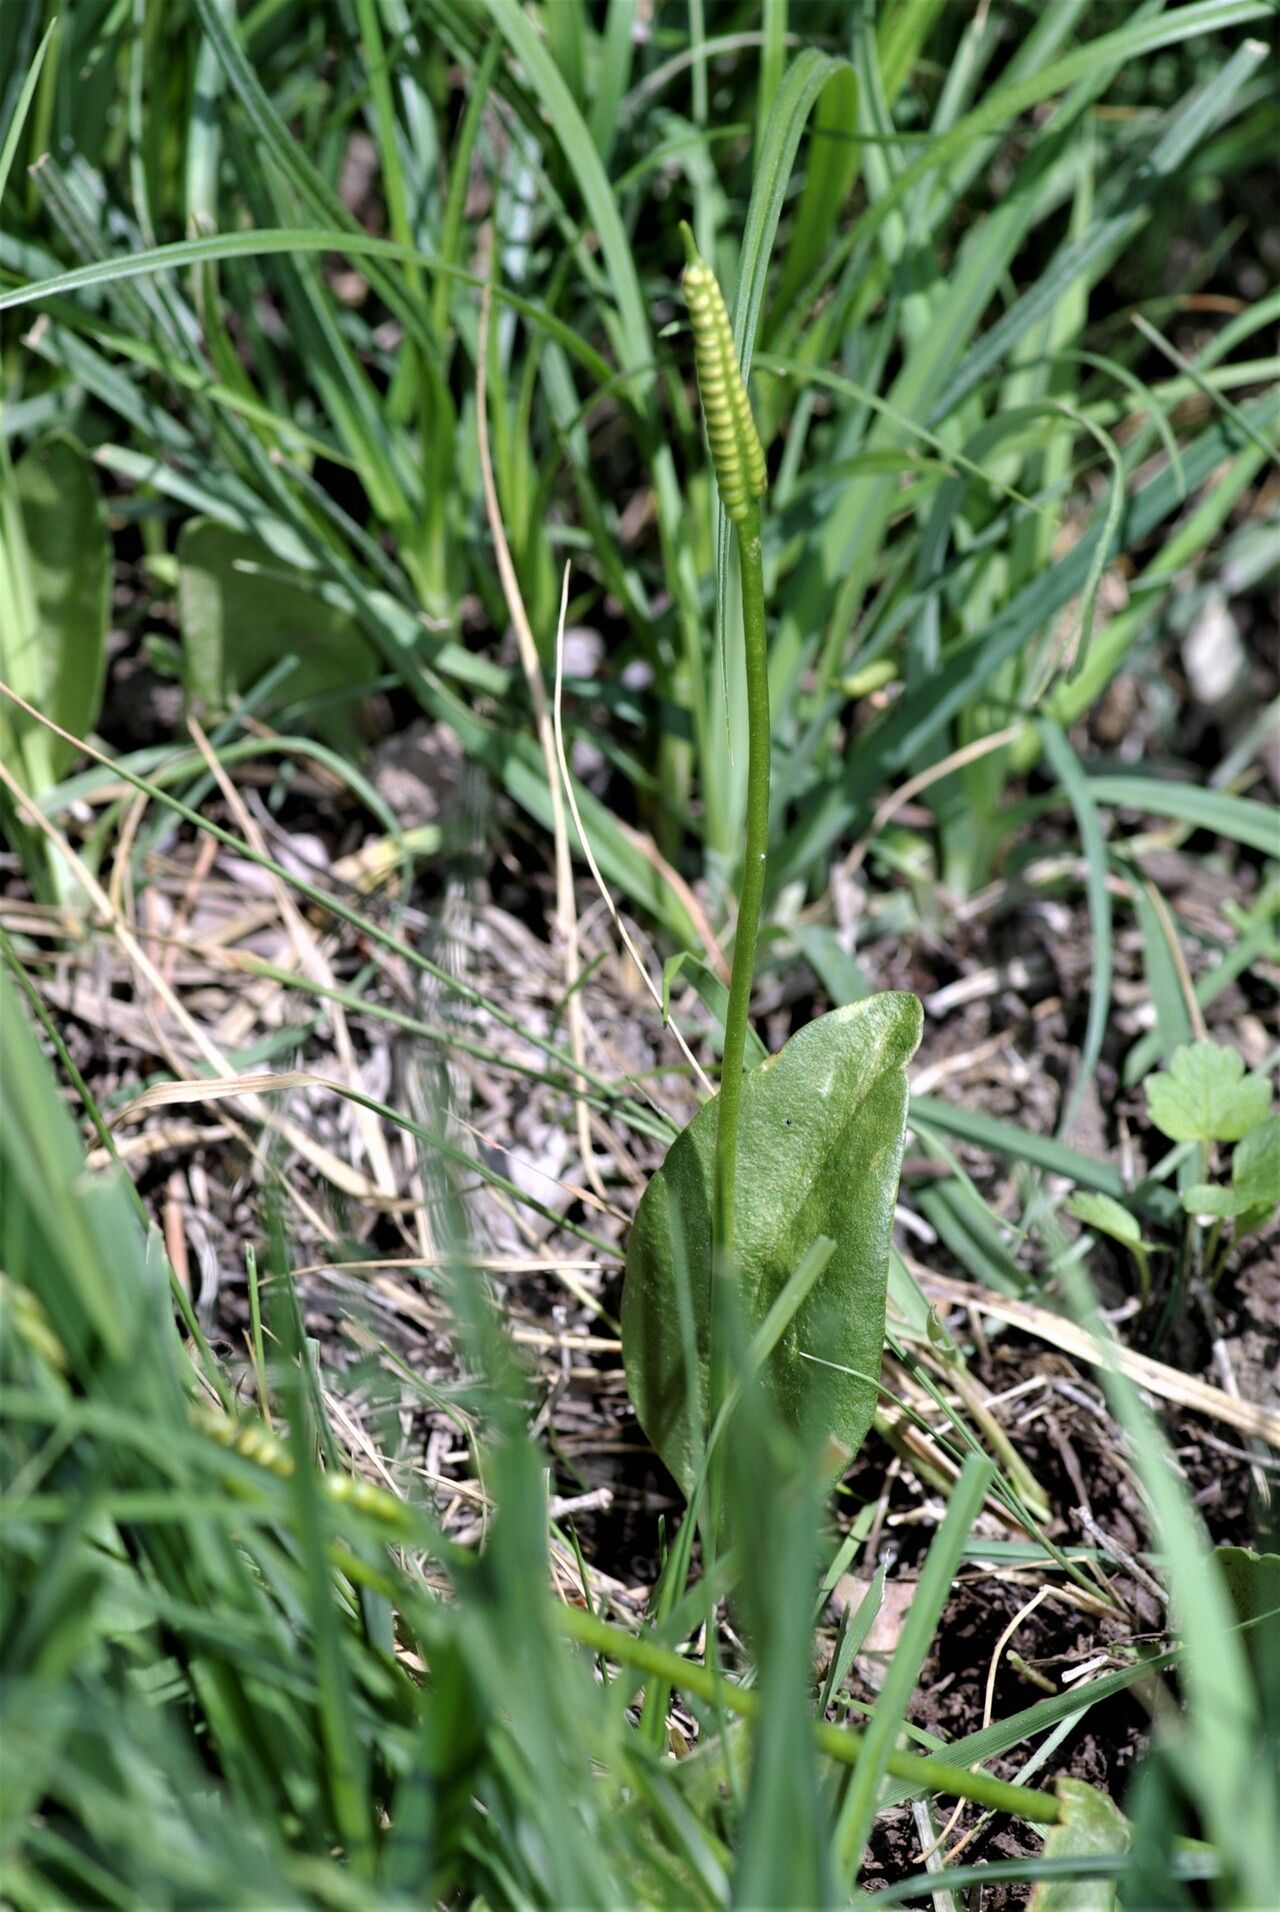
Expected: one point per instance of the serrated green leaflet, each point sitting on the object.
(820, 1147)
(1255, 1166)
(1205, 1096)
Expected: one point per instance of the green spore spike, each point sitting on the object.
(736, 452)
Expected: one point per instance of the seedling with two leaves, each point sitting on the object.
(1205, 1100)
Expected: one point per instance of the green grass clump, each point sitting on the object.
(1017, 443)
(967, 430)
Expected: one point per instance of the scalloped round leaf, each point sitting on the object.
(1205, 1095)
(819, 1153)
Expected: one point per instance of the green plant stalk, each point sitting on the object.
(1144, 1273)
(1215, 1254)
(840, 1743)
(751, 895)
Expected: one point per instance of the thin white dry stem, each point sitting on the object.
(554, 1267)
(988, 1703)
(566, 918)
(572, 1343)
(1222, 1361)
(1023, 1613)
(950, 1857)
(1195, 1015)
(175, 1234)
(490, 1265)
(363, 1453)
(119, 884)
(580, 1194)
(251, 1087)
(168, 1138)
(988, 1708)
(405, 1303)
(1108, 1544)
(971, 1397)
(615, 916)
(230, 1087)
(921, 1813)
(925, 1081)
(206, 855)
(688, 897)
(312, 962)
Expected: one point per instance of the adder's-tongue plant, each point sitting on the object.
(796, 1255)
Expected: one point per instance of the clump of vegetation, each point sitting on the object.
(641, 948)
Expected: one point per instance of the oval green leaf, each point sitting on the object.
(243, 610)
(819, 1152)
(69, 551)
(1092, 1825)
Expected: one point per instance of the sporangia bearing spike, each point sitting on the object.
(736, 451)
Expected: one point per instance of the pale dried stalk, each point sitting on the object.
(897, 799)
(589, 853)
(531, 664)
(1186, 1390)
